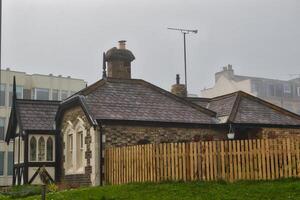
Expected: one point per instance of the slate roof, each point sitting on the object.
(36, 114)
(243, 108)
(138, 100)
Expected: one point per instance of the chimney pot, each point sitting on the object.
(122, 44)
(177, 79)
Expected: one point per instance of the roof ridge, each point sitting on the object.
(182, 100)
(224, 96)
(165, 92)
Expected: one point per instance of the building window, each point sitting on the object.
(81, 139)
(298, 91)
(41, 152)
(70, 142)
(64, 94)
(40, 94)
(79, 157)
(19, 91)
(254, 87)
(10, 158)
(55, 95)
(33, 149)
(2, 128)
(2, 95)
(287, 88)
(271, 90)
(26, 93)
(72, 92)
(2, 163)
(69, 151)
(49, 149)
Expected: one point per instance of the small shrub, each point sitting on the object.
(52, 187)
(23, 191)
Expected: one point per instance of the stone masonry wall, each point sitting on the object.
(272, 133)
(123, 135)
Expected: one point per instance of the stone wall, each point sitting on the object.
(123, 135)
(272, 133)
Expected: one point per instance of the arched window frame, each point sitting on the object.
(31, 148)
(45, 149)
(80, 133)
(68, 149)
(41, 149)
(49, 151)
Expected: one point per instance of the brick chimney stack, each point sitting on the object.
(179, 89)
(119, 61)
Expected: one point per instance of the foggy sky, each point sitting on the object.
(67, 37)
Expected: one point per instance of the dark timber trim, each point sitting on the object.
(26, 159)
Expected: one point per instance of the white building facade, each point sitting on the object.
(282, 93)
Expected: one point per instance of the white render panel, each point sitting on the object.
(37, 180)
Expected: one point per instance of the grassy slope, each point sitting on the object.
(284, 189)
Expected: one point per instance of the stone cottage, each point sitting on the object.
(119, 110)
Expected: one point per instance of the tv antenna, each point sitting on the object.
(184, 32)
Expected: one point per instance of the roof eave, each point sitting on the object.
(76, 100)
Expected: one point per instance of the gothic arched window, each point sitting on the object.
(41, 152)
(49, 149)
(33, 149)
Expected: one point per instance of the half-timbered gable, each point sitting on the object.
(32, 130)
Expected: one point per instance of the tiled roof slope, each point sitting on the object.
(255, 112)
(222, 105)
(241, 107)
(138, 100)
(36, 115)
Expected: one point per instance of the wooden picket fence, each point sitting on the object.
(260, 159)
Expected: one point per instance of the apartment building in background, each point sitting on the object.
(282, 93)
(29, 86)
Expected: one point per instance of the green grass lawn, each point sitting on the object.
(283, 189)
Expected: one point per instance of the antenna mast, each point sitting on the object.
(184, 32)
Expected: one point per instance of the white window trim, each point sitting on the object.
(74, 169)
(37, 137)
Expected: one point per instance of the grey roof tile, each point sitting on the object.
(138, 100)
(36, 115)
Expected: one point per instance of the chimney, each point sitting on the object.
(227, 71)
(179, 89)
(119, 61)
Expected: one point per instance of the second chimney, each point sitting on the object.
(119, 61)
(179, 89)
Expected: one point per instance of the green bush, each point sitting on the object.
(23, 191)
(52, 187)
